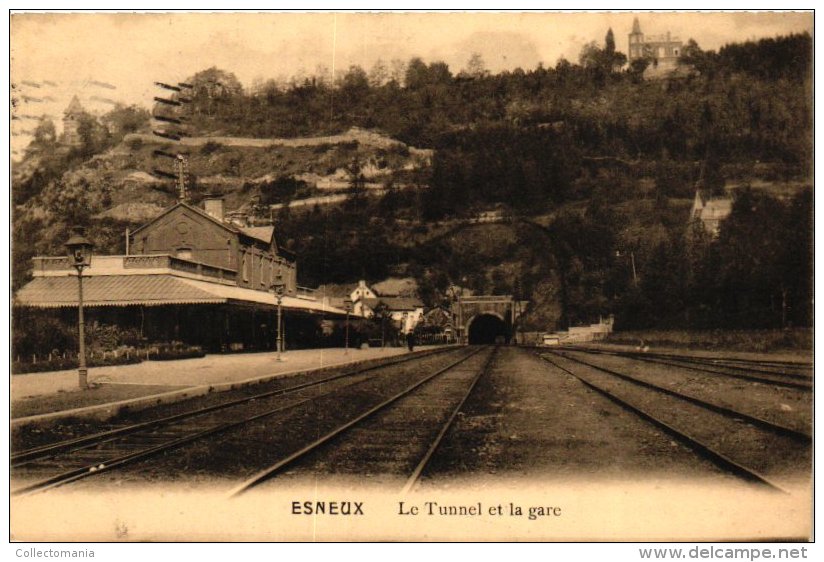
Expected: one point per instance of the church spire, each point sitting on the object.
(636, 27)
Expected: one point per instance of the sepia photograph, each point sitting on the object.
(412, 276)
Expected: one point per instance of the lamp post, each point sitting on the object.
(347, 304)
(618, 254)
(455, 309)
(278, 288)
(79, 250)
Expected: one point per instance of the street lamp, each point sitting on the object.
(347, 304)
(278, 288)
(618, 254)
(457, 321)
(79, 250)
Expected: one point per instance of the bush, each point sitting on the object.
(134, 144)
(45, 335)
(177, 354)
(175, 350)
(63, 364)
(42, 336)
(106, 337)
(210, 147)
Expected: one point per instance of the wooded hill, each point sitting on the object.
(605, 162)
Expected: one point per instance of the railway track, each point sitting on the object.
(61, 463)
(781, 378)
(723, 435)
(385, 439)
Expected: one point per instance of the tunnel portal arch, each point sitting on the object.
(497, 314)
(487, 328)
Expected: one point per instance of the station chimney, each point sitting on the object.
(214, 207)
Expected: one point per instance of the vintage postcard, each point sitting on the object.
(412, 276)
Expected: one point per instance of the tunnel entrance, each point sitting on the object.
(487, 329)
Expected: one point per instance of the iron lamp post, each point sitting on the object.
(79, 251)
(618, 254)
(279, 288)
(347, 305)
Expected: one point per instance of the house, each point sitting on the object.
(359, 293)
(581, 334)
(405, 312)
(664, 50)
(710, 211)
(188, 276)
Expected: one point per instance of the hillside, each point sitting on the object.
(587, 173)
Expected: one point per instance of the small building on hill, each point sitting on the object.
(710, 211)
(664, 50)
(72, 116)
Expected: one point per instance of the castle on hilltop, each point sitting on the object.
(662, 50)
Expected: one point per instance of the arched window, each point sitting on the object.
(245, 268)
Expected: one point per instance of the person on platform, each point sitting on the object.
(410, 341)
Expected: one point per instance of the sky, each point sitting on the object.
(116, 57)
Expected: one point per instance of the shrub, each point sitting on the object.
(210, 148)
(42, 336)
(106, 337)
(134, 144)
(63, 364)
(175, 350)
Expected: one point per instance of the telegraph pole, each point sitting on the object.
(172, 126)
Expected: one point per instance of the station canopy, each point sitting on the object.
(56, 287)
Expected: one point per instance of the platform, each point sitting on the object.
(43, 396)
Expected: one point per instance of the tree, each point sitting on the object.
(354, 85)
(378, 74)
(603, 61)
(475, 66)
(44, 134)
(439, 73)
(417, 74)
(397, 72)
(213, 88)
(590, 55)
(123, 120)
(94, 137)
(693, 55)
(609, 44)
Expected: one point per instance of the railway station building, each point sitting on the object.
(188, 276)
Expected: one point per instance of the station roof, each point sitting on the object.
(394, 303)
(150, 290)
(262, 233)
